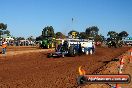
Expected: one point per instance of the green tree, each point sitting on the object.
(6, 32)
(99, 38)
(112, 34)
(48, 32)
(60, 35)
(92, 31)
(123, 34)
(83, 35)
(3, 26)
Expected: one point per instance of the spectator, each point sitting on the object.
(4, 45)
(93, 47)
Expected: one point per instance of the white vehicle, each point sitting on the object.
(86, 45)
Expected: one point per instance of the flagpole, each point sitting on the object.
(72, 24)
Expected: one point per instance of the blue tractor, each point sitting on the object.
(63, 50)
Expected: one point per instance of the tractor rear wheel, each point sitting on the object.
(72, 51)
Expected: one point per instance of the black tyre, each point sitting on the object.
(72, 51)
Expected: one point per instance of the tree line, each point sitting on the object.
(90, 32)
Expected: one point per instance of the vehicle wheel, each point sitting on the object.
(72, 51)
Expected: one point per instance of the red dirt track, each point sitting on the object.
(34, 70)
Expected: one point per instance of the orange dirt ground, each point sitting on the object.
(35, 70)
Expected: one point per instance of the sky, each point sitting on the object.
(28, 17)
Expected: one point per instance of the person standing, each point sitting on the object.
(93, 47)
(4, 45)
